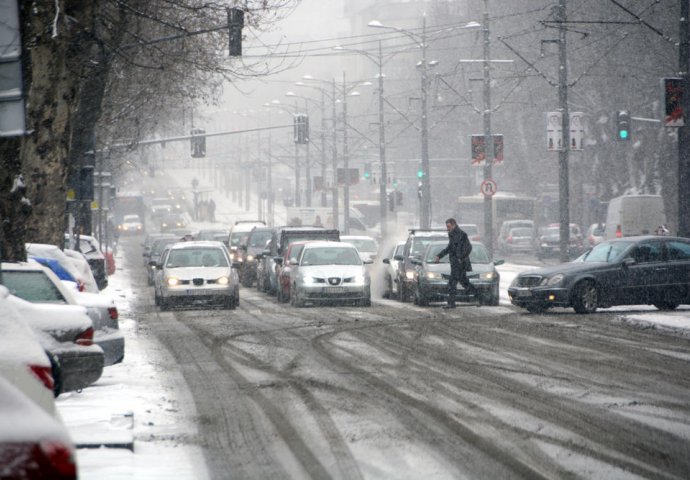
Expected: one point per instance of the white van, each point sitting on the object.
(630, 215)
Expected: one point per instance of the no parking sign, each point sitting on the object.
(488, 187)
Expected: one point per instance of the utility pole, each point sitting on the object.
(307, 160)
(425, 202)
(346, 165)
(383, 180)
(324, 199)
(488, 138)
(684, 131)
(335, 162)
(563, 174)
(298, 200)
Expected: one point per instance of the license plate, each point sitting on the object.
(523, 293)
(335, 290)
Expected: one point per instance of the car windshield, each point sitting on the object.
(259, 239)
(478, 255)
(212, 234)
(131, 218)
(330, 256)
(607, 252)
(159, 245)
(419, 244)
(238, 238)
(32, 286)
(196, 257)
(363, 244)
(548, 231)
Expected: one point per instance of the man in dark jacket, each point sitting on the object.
(458, 251)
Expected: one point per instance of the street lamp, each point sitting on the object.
(421, 41)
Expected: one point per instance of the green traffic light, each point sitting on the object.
(367, 174)
(623, 134)
(420, 173)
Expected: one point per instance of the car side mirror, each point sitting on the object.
(399, 258)
(266, 253)
(368, 262)
(629, 261)
(278, 260)
(499, 262)
(236, 265)
(387, 261)
(415, 261)
(154, 264)
(293, 262)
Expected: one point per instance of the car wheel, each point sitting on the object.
(585, 298)
(246, 281)
(365, 303)
(156, 299)
(229, 303)
(667, 306)
(402, 291)
(259, 283)
(279, 294)
(295, 300)
(387, 293)
(55, 372)
(164, 304)
(420, 298)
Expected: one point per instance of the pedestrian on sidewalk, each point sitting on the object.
(458, 251)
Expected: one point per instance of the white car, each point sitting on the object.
(367, 247)
(23, 361)
(131, 224)
(330, 272)
(390, 274)
(197, 272)
(37, 284)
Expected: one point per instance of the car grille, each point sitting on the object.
(529, 281)
(198, 281)
(334, 281)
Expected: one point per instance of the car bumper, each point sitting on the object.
(555, 297)
(191, 293)
(112, 342)
(79, 366)
(334, 294)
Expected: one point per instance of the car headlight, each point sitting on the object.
(250, 258)
(551, 281)
(223, 280)
(433, 275)
(308, 280)
(172, 281)
(487, 276)
(359, 279)
(409, 274)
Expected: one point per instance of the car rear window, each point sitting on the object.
(33, 286)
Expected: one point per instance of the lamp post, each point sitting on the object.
(308, 190)
(298, 203)
(382, 135)
(423, 65)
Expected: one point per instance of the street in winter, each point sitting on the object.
(353, 239)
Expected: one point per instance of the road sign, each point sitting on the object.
(478, 152)
(554, 131)
(488, 188)
(673, 99)
(577, 131)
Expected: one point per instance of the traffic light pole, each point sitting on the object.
(335, 160)
(425, 203)
(684, 131)
(382, 151)
(488, 138)
(346, 166)
(563, 173)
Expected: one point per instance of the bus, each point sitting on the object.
(129, 203)
(505, 206)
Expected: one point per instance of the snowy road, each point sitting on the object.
(397, 391)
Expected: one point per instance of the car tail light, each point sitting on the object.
(85, 338)
(112, 311)
(80, 285)
(619, 232)
(60, 457)
(509, 240)
(44, 374)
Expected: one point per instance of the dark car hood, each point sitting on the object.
(570, 267)
(445, 267)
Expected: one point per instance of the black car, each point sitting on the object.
(645, 270)
(431, 282)
(416, 243)
(249, 253)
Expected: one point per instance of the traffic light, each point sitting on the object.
(301, 128)
(367, 171)
(623, 124)
(235, 24)
(391, 201)
(420, 172)
(198, 142)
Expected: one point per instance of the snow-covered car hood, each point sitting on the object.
(326, 271)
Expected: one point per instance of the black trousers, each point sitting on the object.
(458, 275)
